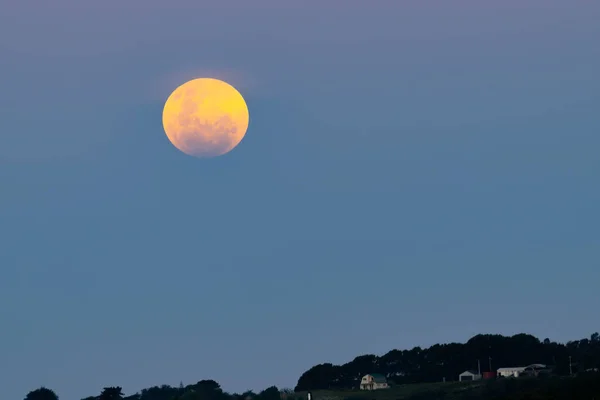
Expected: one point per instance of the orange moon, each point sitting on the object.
(205, 117)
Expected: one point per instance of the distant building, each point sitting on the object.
(537, 370)
(511, 371)
(373, 382)
(489, 375)
(469, 375)
(530, 370)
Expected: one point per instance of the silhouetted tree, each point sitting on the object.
(249, 394)
(164, 392)
(111, 393)
(41, 394)
(270, 393)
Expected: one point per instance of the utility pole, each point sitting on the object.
(490, 360)
(570, 367)
(478, 367)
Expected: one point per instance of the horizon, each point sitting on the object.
(412, 174)
(291, 387)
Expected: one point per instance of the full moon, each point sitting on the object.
(205, 117)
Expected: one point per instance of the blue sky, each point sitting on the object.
(412, 174)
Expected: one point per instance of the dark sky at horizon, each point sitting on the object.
(413, 173)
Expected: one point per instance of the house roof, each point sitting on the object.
(536, 366)
(379, 378)
(470, 372)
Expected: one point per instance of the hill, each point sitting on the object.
(447, 361)
(581, 387)
(417, 374)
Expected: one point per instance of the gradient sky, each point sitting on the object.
(414, 173)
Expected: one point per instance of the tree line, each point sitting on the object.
(202, 390)
(446, 361)
(434, 364)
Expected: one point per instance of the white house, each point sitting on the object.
(469, 375)
(511, 371)
(373, 382)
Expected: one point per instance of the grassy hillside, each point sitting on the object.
(585, 387)
(396, 392)
(449, 360)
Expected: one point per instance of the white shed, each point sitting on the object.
(469, 375)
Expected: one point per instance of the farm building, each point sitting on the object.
(533, 369)
(510, 371)
(469, 375)
(373, 382)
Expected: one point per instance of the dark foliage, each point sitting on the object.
(423, 366)
(585, 386)
(202, 390)
(111, 393)
(449, 360)
(41, 394)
